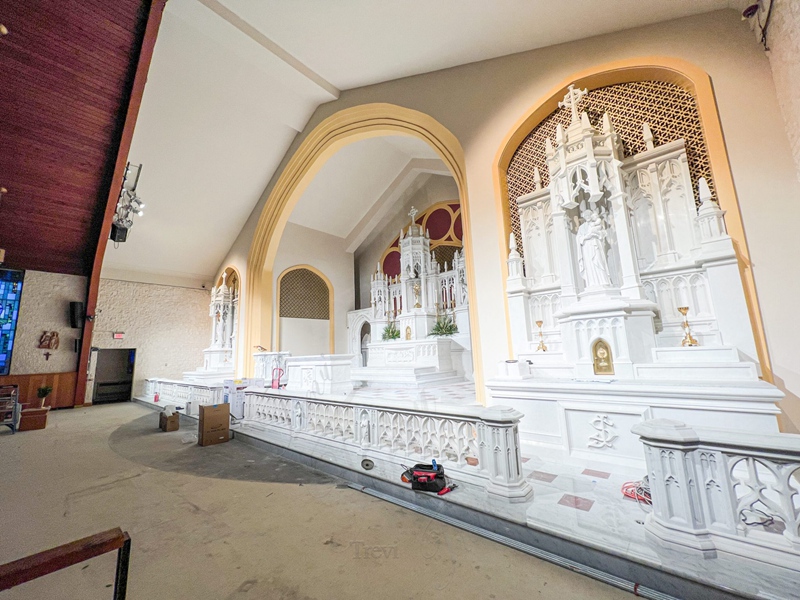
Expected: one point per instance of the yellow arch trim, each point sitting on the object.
(327, 281)
(694, 80)
(331, 135)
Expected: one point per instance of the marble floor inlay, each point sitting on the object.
(593, 473)
(576, 502)
(542, 476)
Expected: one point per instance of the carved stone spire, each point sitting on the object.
(537, 179)
(710, 217)
(514, 260)
(648, 138)
(548, 148)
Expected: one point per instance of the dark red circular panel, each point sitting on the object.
(438, 223)
(391, 264)
(457, 229)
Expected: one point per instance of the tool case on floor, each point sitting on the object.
(426, 478)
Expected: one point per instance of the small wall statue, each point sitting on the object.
(49, 340)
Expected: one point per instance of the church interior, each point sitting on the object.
(485, 299)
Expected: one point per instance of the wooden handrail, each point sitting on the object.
(43, 563)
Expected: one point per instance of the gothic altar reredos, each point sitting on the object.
(628, 304)
(219, 357)
(412, 303)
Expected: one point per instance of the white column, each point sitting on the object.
(631, 284)
(499, 454)
(564, 251)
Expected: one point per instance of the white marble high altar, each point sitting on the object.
(613, 246)
(266, 364)
(319, 374)
(413, 301)
(218, 358)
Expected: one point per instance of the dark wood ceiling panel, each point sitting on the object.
(67, 69)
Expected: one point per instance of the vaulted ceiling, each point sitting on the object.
(233, 81)
(67, 68)
(230, 85)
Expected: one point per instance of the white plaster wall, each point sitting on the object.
(480, 103)
(45, 306)
(168, 326)
(437, 188)
(784, 57)
(304, 337)
(327, 253)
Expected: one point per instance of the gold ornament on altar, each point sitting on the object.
(408, 332)
(417, 289)
(601, 358)
(688, 340)
(541, 345)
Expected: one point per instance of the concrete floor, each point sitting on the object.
(232, 522)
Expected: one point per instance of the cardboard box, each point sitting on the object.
(33, 418)
(215, 424)
(172, 423)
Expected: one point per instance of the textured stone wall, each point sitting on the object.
(783, 38)
(168, 326)
(45, 306)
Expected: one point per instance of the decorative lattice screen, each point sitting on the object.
(444, 254)
(670, 111)
(304, 295)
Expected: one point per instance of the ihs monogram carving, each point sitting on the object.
(604, 438)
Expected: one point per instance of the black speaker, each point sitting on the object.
(118, 234)
(76, 315)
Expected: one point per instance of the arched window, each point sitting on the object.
(305, 301)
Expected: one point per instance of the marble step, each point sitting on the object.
(404, 376)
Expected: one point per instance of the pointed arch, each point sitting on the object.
(331, 135)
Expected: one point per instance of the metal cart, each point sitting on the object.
(9, 406)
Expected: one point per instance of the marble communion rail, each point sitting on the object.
(732, 491)
(712, 490)
(475, 444)
(176, 390)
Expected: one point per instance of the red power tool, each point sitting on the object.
(447, 490)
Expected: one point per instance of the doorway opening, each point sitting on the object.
(113, 381)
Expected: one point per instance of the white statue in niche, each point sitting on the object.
(364, 426)
(592, 263)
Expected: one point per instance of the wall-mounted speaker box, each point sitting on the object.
(118, 234)
(76, 315)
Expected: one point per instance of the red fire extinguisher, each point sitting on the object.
(277, 373)
(155, 397)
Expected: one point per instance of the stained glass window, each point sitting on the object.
(10, 293)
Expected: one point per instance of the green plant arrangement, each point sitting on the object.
(42, 393)
(391, 332)
(444, 326)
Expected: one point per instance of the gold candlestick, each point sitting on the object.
(688, 340)
(541, 345)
